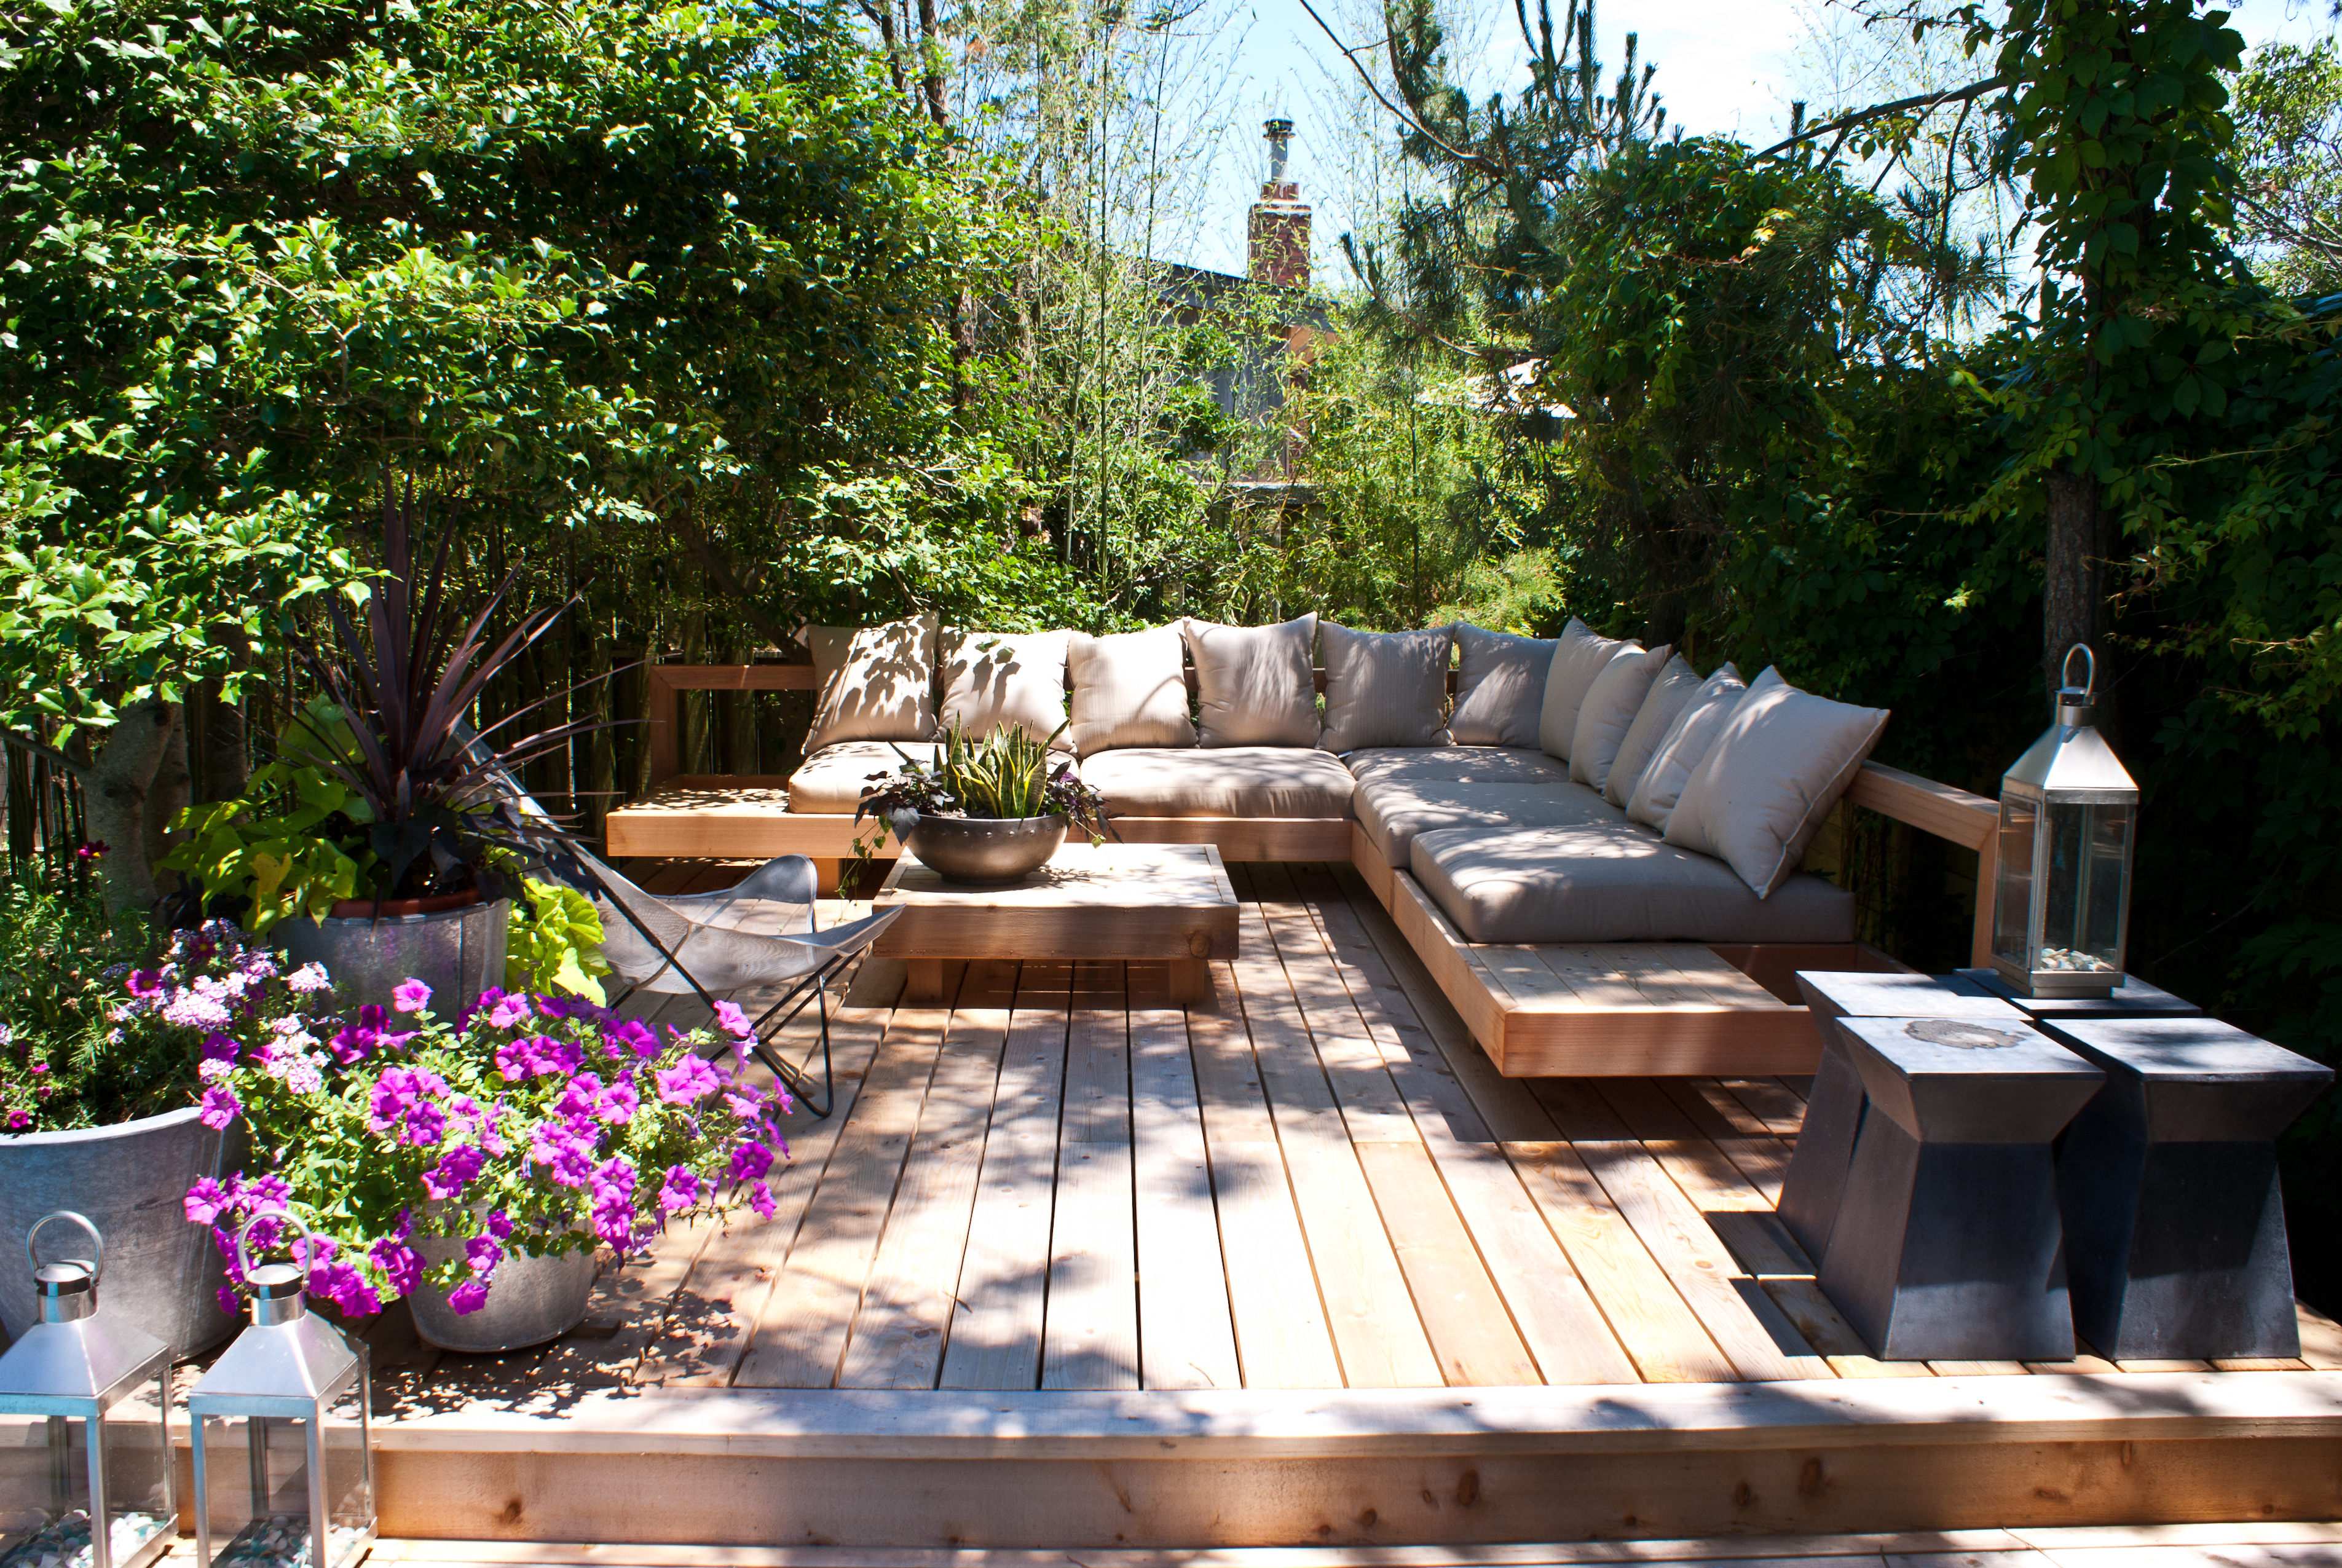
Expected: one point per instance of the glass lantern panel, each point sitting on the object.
(45, 1503)
(258, 1492)
(2083, 903)
(2012, 903)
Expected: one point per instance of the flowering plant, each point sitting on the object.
(68, 1058)
(528, 1123)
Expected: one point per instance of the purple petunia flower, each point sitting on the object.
(220, 1107)
(634, 1036)
(760, 1198)
(410, 995)
(732, 1021)
(221, 1047)
(401, 1264)
(457, 1169)
(468, 1297)
(206, 1199)
(499, 1224)
(483, 1255)
(680, 1191)
(617, 1104)
(687, 1082)
(750, 1159)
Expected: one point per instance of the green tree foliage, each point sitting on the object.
(2289, 109)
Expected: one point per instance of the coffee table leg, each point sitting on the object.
(925, 982)
(1191, 981)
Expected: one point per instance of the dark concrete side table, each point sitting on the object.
(2134, 998)
(2175, 1231)
(1833, 1106)
(1947, 1245)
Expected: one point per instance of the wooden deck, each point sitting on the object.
(1312, 1180)
(1072, 1266)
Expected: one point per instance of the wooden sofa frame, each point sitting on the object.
(1595, 1010)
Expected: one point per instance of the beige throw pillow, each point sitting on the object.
(1608, 713)
(876, 683)
(1783, 759)
(1577, 658)
(1683, 747)
(1499, 686)
(1129, 690)
(1254, 684)
(1669, 696)
(1384, 688)
(1006, 680)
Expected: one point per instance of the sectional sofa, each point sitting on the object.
(1593, 847)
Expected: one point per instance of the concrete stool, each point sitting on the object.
(1833, 1106)
(1947, 1245)
(2175, 1232)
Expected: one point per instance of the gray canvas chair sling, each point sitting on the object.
(763, 931)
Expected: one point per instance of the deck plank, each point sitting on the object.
(1463, 1314)
(1680, 1241)
(713, 1316)
(1775, 1109)
(1089, 1338)
(800, 1336)
(1372, 1316)
(1004, 1277)
(1550, 1306)
(1641, 1304)
(1186, 1335)
(899, 1331)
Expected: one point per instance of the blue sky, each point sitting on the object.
(1724, 65)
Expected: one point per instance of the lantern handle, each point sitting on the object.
(96, 1242)
(2089, 669)
(303, 1259)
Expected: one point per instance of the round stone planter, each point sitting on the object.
(457, 952)
(984, 851)
(530, 1301)
(131, 1180)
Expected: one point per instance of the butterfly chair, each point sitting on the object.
(766, 931)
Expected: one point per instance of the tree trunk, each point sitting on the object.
(166, 798)
(2074, 587)
(221, 744)
(117, 786)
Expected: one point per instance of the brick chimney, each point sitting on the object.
(1278, 231)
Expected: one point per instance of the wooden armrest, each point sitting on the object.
(1966, 820)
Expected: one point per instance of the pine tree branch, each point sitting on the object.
(1923, 102)
(1470, 160)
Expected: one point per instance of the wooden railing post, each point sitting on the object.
(661, 706)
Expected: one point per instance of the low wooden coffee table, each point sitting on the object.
(1138, 903)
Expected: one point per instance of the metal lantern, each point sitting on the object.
(282, 1429)
(2061, 912)
(90, 1477)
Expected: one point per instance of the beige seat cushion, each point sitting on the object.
(1220, 781)
(1613, 882)
(1456, 764)
(1608, 713)
(1669, 696)
(876, 683)
(1254, 684)
(1129, 690)
(831, 779)
(1006, 680)
(1780, 764)
(1384, 688)
(1578, 658)
(1394, 813)
(1499, 686)
(1683, 747)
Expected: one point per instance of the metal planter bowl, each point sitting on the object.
(458, 953)
(530, 1301)
(984, 851)
(132, 1180)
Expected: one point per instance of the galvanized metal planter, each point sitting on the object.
(532, 1300)
(458, 953)
(131, 1180)
(984, 851)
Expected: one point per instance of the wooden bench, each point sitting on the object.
(1585, 1009)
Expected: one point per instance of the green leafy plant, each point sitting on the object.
(1005, 775)
(552, 941)
(277, 853)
